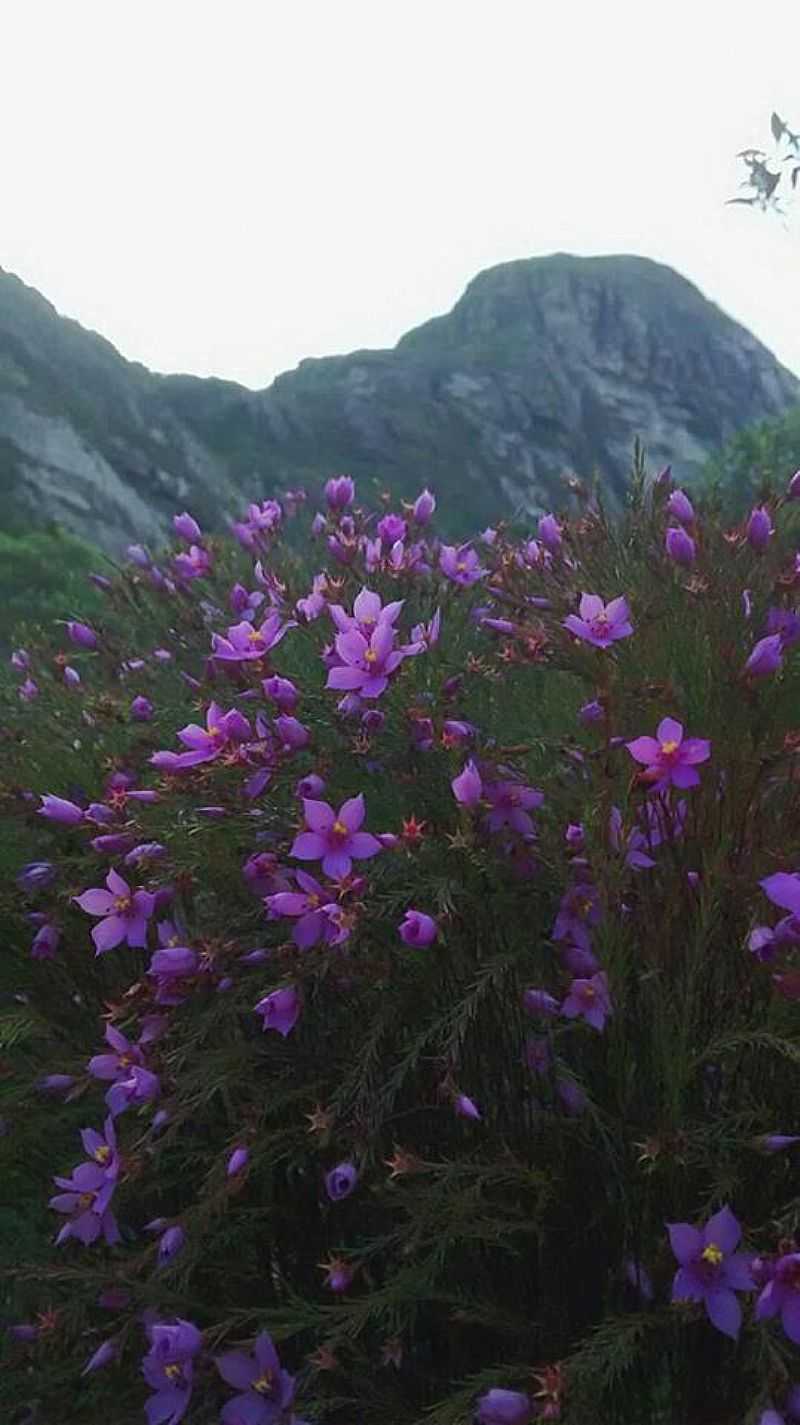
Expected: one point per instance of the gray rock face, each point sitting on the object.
(544, 367)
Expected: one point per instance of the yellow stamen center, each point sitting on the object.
(668, 748)
(461, 567)
(254, 636)
(712, 1254)
(589, 992)
(263, 1384)
(214, 731)
(122, 903)
(103, 1153)
(174, 1371)
(339, 829)
(312, 901)
(85, 1200)
(125, 1061)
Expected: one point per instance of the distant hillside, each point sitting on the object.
(545, 366)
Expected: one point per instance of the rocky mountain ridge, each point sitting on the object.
(545, 366)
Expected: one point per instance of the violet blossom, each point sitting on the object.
(669, 757)
(589, 999)
(280, 1010)
(168, 1367)
(711, 1270)
(125, 913)
(460, 564)
(598, 623)
(266, 1390)
(341, 1181)
(334, 837)
(418, 929)
(244, 643)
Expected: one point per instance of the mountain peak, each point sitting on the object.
(544, 366)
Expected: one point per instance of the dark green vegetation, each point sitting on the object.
(493, 1247)
(545, 368)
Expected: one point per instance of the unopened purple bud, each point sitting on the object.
(138, 555)
(681, 507)
(759, 528)
(101, 582)
(113, 844)
(28, 690)
(591, 712)
(238, 1161)
(465, 1107)
(281, 691)
(81, 634)
(25, 1332)
(56, 1083)
(793, 490)
(664, 478)
(549, 532)
(574, 836)
(311, 786)
(45, 942)
(424, 507)
(36, 876)
(160, 1120)
(72, 677)
(254, 957)
(162, 655)
(102, 1356)
(20, 660)
(467, 786)
(680, 546)
(141, 709)
(114, 1298)
(766, 657)
(170, 1245)
(187, 528)
(776, 1142)
(340, 1181)
(540, 1003)
(504, 1407)
(340, 492)
(373, 720)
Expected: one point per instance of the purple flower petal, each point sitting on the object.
(686, 1241)
(724, 1311)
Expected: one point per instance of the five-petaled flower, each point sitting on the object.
(710, 1268)
(669, 757)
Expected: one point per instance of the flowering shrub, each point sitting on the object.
(400, 973)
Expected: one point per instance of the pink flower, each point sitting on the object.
(669, 757)
(124, 912)
(335, 838)
(599, 623)
(366, 663)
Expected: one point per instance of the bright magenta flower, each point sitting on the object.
(669, 757)
(125, 913)
(334, 837)
(598, 623)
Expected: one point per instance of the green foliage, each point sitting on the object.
(42, 579)
(486, 1253)
(753, 465)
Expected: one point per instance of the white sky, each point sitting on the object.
(227, 187)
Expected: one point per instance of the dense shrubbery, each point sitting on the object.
(411, 943)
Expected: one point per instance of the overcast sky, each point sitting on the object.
(227, 187)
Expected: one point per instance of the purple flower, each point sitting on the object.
(766, 657)
(424, 507)
(510, 803)
(187, 528)
(84, 1200)
(669, 758)
(334, 837)
(81, 634)
(141, 709)
(341, 1181)
(710, 1269)
(783, 889)
(20, 660)
(310, 906)
(280, 1010)
(782, 1294)
(45, 941)
(589, 1000)
(140, 1086)
(340, 492)
(549, 532)
(759, 529)
(681, 507)
(600, 624)
(125, 913)
(392, 528)
(102, 1148)
(418, 929)
(366, 664)
(58, 809)
(167, 1368)
(245, 643)
(504, 1407)
(785, 622)
(72, 677)
(680, 546)
(266, 1389)
(118, 1063)
(468, 786)
(579, 909)
(237, 1162)
(460, 564)
(776, 1142)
